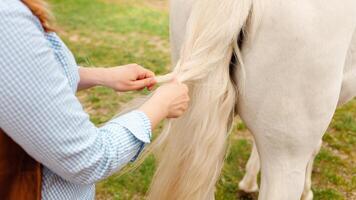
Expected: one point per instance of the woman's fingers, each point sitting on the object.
(149, 73)
(151, 87)
(143, 78)
(143, 75)
(140, 84)
(143, 72)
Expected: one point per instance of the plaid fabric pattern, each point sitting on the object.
(39, 110)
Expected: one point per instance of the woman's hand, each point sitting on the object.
(173, 97)
(129, 77)
(169, 101)
(122, 78)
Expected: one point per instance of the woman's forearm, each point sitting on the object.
(90, 77)
(120, 78)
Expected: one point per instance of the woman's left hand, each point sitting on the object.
(122, 78)
(128, 77)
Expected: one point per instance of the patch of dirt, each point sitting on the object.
(160, 5)
(241, 134)
(76, 37)
(104, 196)
(245, 134)
(159, 44)
(81, 39)
(97, 39)
(247, 196)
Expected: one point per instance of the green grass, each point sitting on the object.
(116, 32)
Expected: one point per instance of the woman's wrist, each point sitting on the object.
(90, 77)
(155, 110)
(102, 76)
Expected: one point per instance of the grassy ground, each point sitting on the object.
(115, 32)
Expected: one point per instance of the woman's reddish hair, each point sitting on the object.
(40, 9)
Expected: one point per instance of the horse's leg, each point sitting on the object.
(249, 182)
(286, 162)
(348, 89)
(308, 193)
(292, 87)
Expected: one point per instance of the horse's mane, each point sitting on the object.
(191, 149)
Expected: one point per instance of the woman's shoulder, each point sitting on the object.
(13, 6)
(17, 13)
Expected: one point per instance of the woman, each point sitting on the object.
(40, 113)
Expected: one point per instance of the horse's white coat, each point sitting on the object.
(294, 73)
(348, 91)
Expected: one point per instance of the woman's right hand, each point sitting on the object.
(169, 101)
(173, 97)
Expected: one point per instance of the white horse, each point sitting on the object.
(295, 75)
(348, 91)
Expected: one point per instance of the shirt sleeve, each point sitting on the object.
(40, 112)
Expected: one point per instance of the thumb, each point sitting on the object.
(140, 84)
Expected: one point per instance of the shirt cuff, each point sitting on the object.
(137, 123)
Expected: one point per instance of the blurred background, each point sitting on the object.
(104, 33)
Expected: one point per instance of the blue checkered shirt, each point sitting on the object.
(39, 110)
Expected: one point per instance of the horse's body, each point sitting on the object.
(348, 91)
(295, 77)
